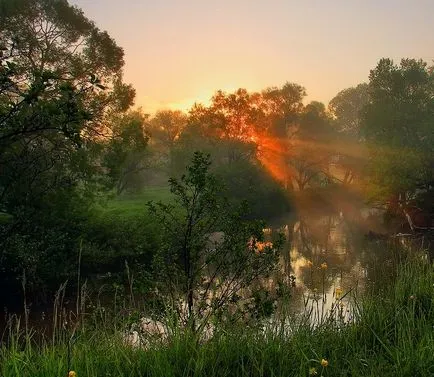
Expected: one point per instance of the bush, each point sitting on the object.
(250, 182)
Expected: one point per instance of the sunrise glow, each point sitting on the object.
(216, 188)
(178, 53)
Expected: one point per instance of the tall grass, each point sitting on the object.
(393, 335)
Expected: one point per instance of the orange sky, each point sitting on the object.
(179, 51)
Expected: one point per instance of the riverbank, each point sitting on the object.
(392, 335)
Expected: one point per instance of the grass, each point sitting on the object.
(392, 336)
(132, 204)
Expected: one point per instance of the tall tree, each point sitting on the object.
(167, 125)
(231, 119)
(165, 129)
(60, 77)
(126, 155)
(310, 154)
(283, 107)
(346, 108)
(398, 122)
(60, 80)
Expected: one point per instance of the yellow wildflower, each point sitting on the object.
(324, 266)
(72, 374)
(324, 363)
(312, 372)
(338, 292)
(309, 264)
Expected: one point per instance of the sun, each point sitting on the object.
(204, 97)
(187, 103)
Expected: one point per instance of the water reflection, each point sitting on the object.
(331, 262)
(325, 255)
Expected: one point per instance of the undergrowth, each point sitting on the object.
(391, 336)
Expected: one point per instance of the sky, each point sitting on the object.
(181, 51)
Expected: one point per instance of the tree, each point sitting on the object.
(167, 125)
(346, 108)
(278, 111)
(60, 80)
(203, 275)
(248, 181)
(235, 112)
(231, 118)
(165, 129)
(253, 126)
(398, 123)
(51, 44)
(60, 77)
(126, 154)
(310, 155)
(283, 107)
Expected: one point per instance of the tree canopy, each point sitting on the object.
(60, 76)
(398, 124)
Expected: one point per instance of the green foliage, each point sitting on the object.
(310, 154)
(57, 83)
(131, 205)
(126, 155)
(113, 239)
(42, 248)
(223, 152)
(46, 249)
(401, 100)
(60, 76)
(346, 108)
(165, 128)
(199, 271)
(245, 181)
(398, 123)
(391, 337)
